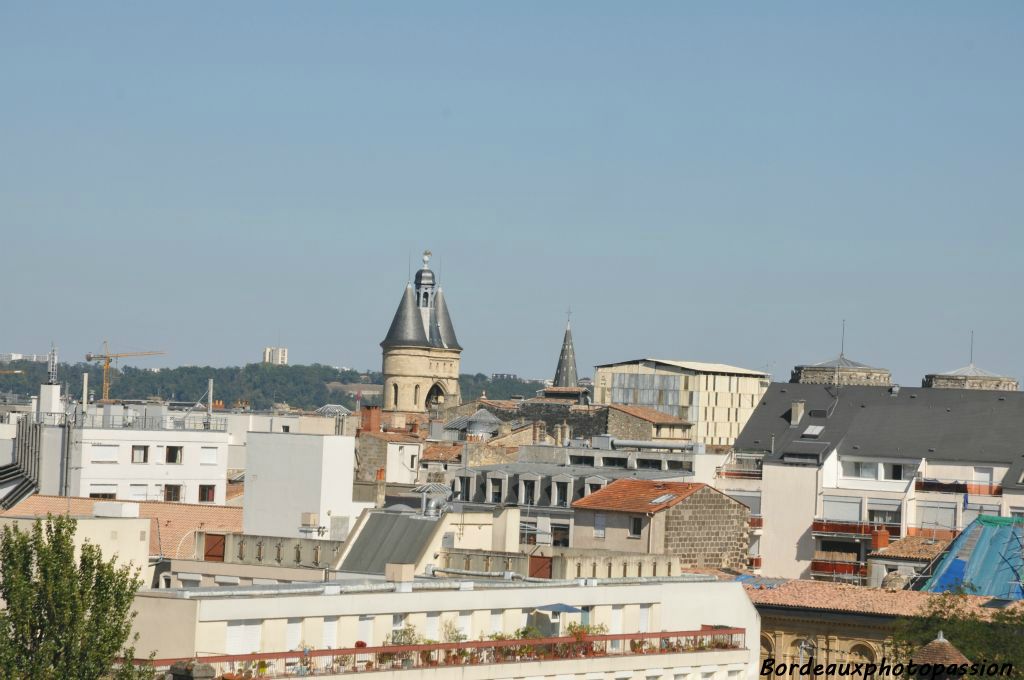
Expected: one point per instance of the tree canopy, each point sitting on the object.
(262, 385)
(998, 638)
(66, 617)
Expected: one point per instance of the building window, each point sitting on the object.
(560, 535)
(599, 525)
(528, 534)
(893, 472)
(529, 486)
(394, 395)
(286, 428)
(636, 526)
(416, 395)
(207, 493)
(104, 491)
(594, 486)
(208, 455)
(496, 491)
(174, 455)
(172, 493)
(140, 454)
(562, 494)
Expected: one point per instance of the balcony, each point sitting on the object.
(957, 486)
(583, 649)
(828, 527)
(846, 567)
(756, 522)
(742, 466)
(754, 561)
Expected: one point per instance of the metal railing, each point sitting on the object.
(168, 422)
(475, 652)
(860, 529)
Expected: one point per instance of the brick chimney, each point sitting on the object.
(381, 490)
(879, 538)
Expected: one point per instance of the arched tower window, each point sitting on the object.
(394, 395)
(416, 395)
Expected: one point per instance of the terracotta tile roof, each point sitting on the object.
(442, 453)
(845, 597)
(501, 403)
(638, 495)
(940, 651)
(920, 548)
(565, 390)
(171, 524)
(649, 414)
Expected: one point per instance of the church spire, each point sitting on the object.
(565, 373)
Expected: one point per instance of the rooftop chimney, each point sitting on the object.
(796, 412)
(879, 538)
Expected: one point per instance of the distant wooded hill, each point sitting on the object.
(262, 385)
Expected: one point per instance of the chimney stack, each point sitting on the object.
(796, 412)
(381, 490)
(879, 538)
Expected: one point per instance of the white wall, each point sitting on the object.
(397, 468)
(204, 462)
(789, 500)
(290, 474)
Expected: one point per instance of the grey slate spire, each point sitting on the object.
(565, 374)
(407, 326)
(444, 322)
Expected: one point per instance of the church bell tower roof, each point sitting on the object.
(407, 326)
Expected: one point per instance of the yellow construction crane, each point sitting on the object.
(105, 356)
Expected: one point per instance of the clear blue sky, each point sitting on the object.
(716, 181)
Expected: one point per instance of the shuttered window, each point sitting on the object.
(103, 453)
(842, 509)
(293, 634)
(936, 515)
(243, 637)
(330, 640)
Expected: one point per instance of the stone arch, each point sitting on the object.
(767, 647)
(436, 395)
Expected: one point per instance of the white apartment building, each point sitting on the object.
(300, 485)
(833, 471)
(241, 423)
(117, 451)
(349, 614)
(717, 399)
(150, 460)
(275, 355)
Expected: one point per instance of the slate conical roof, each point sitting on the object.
(407, 326)
(445, 329)
(565, 373)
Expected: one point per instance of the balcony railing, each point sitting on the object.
(742, 465)
(839, 567)
(756, 522)
(169, 422)
(477, 652)
(858, 529)
(754, 561)
(958, 486)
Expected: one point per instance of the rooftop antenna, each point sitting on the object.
(972, 348)
(842, 351)
(51, 367)
(568, 316)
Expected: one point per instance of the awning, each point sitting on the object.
(559, 609)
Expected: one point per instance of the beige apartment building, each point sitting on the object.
(716, 399)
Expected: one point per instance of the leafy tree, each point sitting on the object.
(65, 618)
(995, 638)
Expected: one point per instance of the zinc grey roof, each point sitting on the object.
(948, 424)
(333, 410)
(444, 322)
(840, 361)
(479, 417)
(565, 372)
(972, 371)
(389, 538)
(407, 326)
(552, 469)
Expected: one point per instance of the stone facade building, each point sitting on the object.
(970, 377)
(698, 523)
(421, 352)
(846, 371)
